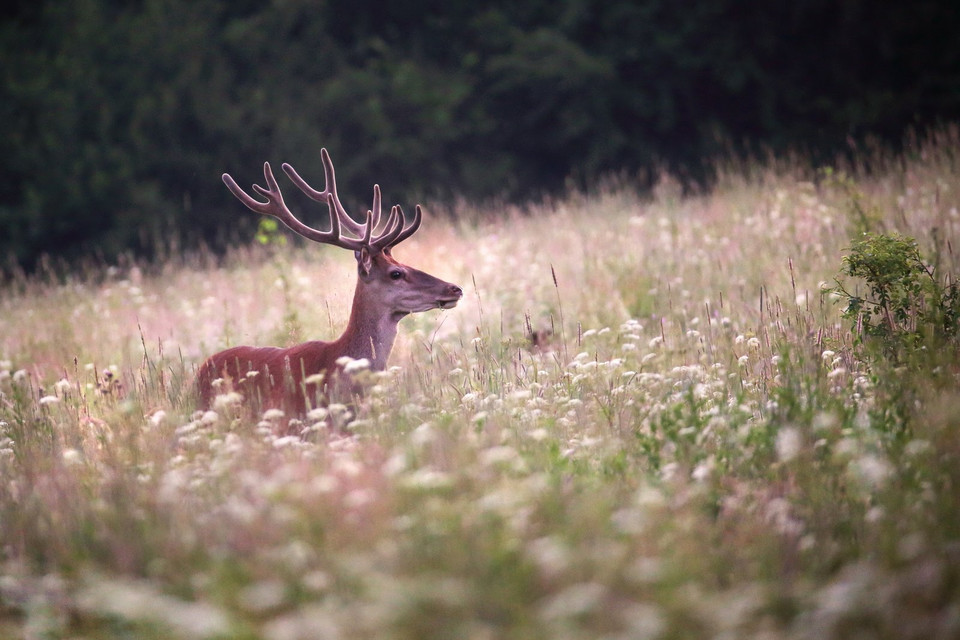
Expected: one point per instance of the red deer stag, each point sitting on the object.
(386, 291)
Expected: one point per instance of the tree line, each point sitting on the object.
(120, 116)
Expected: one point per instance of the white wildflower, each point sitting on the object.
(317, 414)
(780, 514)
(789, 441)
(630, 520)
(498, 455)
(575, 600)
(395, 465)
(539, 435)
(703, 471)
(263, 596)
(47, 400)
(917, 447)
(324, 483)
(423, 435)
(645, 570)
(271, 415)
(335, 409)
(137, 601)
(824, 421)
(911, 546)
(62, 387)
(872, 470)
(347, 467)
(188, 428)
(316, 581)
(550, 555)
(225, 401)
(669, 471)
(845, 448)
(358, 498)
(356, 366)
(427, 479)
(644, 621)
(286, 441)
(354, 425)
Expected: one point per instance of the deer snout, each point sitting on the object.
(452, 294)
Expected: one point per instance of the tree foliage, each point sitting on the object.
(120, 116)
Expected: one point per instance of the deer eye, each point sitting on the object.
(396, 274)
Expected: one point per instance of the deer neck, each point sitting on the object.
(371, 331)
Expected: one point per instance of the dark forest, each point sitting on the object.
(119, 117)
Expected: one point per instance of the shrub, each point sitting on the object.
(907, 304)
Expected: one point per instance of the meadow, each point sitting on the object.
(649, 417)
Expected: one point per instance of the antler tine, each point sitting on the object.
(390, 229)
(264, 208)
(334, 219)
(376, 206)
(277, 208)
(349, 243)
(412, 229)
(330, 188)
(368, 229)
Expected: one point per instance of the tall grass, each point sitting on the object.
(693, 446)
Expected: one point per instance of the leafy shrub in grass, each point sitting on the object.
(907, 305)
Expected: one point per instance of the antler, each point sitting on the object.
(393, 232)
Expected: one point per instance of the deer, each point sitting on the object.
(298, 378)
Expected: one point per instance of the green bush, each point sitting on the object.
(907, 305)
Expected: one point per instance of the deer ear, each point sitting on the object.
(364, 261)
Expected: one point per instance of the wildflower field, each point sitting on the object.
(722, 415)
